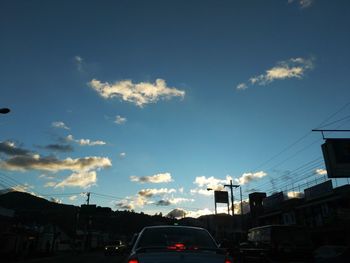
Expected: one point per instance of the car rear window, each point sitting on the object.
(163, 237)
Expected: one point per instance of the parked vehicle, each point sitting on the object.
(277, 243)
(176, 244)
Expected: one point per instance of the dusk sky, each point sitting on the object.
(145, 104)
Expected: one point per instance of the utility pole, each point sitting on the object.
(231, 186)
(88, 198)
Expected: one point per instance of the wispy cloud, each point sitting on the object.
(248, 177)
(85, 142)
(120, 120)
(58, 147)
(138, 93)
(122, 155)
(60, 125)
(180, 213)
(291, 68)
(79, 63)
(156, 179)
(302, 3)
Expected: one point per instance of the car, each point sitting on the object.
(176, 244)
(114, 248)
(277, 243)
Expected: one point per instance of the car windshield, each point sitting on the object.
(165, 237)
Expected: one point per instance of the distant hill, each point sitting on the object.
(30, 209)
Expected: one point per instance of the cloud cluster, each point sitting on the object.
(60, 125)
(138, 93)
(248, 177)
(156, 179)
(10, 148)
(181, 213)
(52, 164)
(291, 68)
(83, 169)
(213, 183)
(84, 142)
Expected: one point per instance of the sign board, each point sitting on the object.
(273, 200)
(318, 190)
(336, 153)
(221, 196)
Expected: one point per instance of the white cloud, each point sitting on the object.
(211, 182)
(242, 86)
(245, 205)
(152, 192)
(73, 197)
(302, 3)
(173, 201)
(291, 68)
(120, 120)
(181, 190)
(60, 125)
(321, 171)
(85, 142)
(205, 191)
(133, 202)
(138, 93)
(122, 155)
(156, 179)
(248, 177)
(26, 188)
(82, 180)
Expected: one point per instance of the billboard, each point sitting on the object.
(221, 197)
(336, 154)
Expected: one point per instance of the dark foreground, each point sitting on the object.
(90, 257)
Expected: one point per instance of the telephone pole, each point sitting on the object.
(231, 186)
(88, 198)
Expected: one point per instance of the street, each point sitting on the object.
(91, 257)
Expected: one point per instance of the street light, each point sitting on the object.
(4, 110)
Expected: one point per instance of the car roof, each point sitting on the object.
(171, 226)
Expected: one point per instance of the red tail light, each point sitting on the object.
(227, 260)
(133, 260)
(177, 246)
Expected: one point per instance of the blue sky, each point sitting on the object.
(150, 102)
